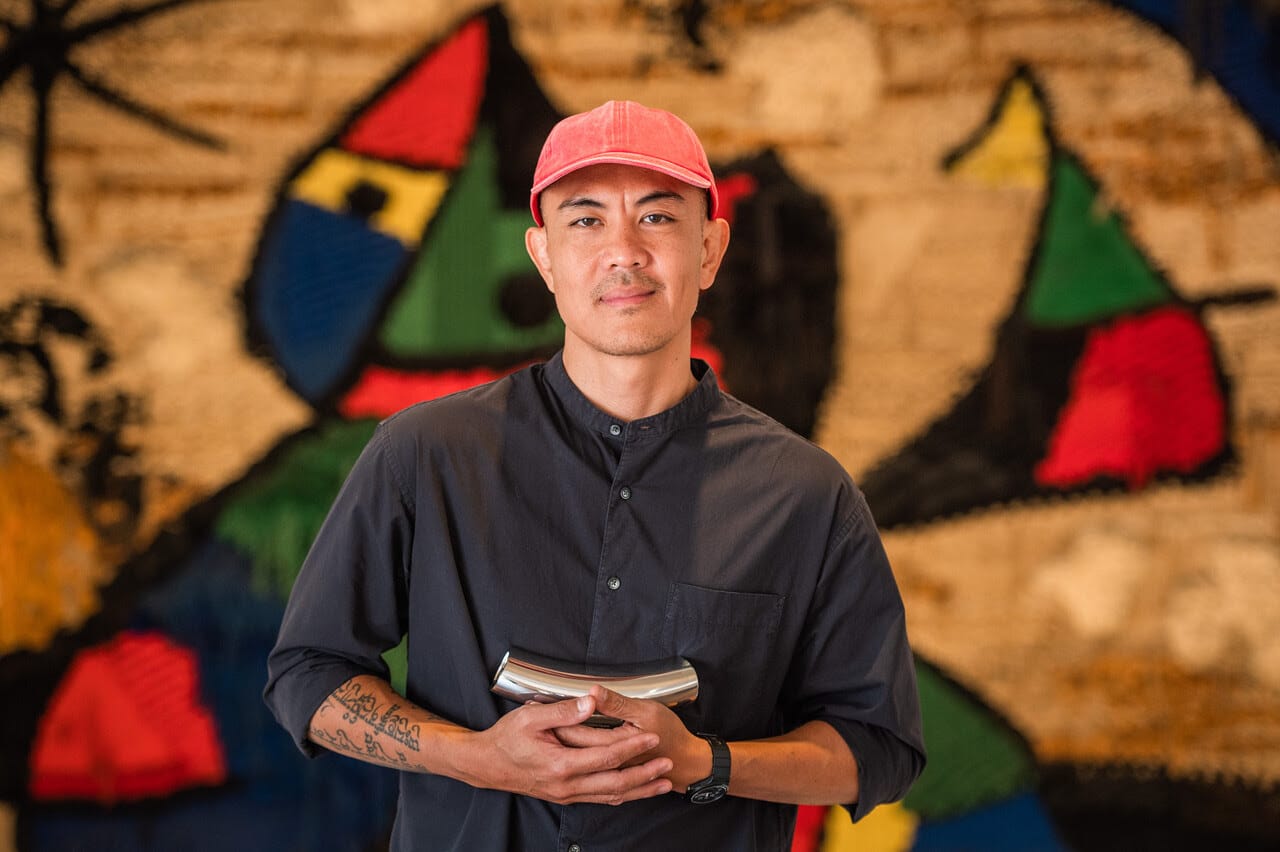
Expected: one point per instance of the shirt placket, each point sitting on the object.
(611, 576)
(610, 584)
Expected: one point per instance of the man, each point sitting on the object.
(609, 506)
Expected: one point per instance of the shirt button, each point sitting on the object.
(615, 430)
(625, 493)
(573, 847)
(613, 583)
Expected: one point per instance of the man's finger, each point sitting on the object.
(586, 736)
(614, 787)
(559, 714)
(654, 788)
(572, 762)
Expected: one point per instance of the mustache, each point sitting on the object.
(622, 279)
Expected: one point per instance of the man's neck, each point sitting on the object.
(631, 387)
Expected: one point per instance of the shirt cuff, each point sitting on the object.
(887, 766)
(296, 696)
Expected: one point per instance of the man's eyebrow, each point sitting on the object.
(662, 195)
(579, 201)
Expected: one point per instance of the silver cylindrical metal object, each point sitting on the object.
(524, 676)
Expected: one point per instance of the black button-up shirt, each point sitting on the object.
(519, 514)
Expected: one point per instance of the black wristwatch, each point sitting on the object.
(714, 787)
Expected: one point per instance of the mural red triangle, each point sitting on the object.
(1144, 398)
(126, 723)
(426, 117)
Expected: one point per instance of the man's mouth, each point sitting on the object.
(627, 292)
(626, 296)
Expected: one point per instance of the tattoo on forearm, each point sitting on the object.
(373, 748)
(359, 705)
(336, 741)
(340, 742)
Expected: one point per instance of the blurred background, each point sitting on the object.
(1015, 263)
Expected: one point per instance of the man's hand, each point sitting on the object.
(522, 753)
(689, 754)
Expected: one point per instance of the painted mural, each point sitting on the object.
(1016, 265)
(1102, 376)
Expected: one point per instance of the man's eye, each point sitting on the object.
(584, 222)
(656, 218)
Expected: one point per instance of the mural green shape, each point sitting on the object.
(450, 303)
(397, 660)
(974, 759)
(1088, 268)
(274, 517)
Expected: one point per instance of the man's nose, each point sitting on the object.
(626, 249)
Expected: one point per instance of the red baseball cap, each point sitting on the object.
(627, 133)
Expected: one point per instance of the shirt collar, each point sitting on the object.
(691, 409)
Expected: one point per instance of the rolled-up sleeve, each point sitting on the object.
(348, 603)
(854, 669)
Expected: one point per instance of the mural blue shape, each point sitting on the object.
(1243, 55)
(321, 279)
(1019, 824)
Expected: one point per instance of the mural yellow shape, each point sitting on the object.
(889, 828)
(411, 196)
(8, 829)
(50, 562)
(1015, 148)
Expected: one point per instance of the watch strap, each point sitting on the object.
(720, 760)
(716, 785)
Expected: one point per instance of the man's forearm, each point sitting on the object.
(366, 719)
(811, 765)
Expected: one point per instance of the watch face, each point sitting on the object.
(713, 793)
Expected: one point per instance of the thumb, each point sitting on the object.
(560, 714)
(610, 703)
(584, 705)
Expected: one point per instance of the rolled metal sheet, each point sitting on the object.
(524, 676)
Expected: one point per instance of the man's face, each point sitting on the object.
(626, 251)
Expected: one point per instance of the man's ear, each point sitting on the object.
(715, 241)
(535, 243)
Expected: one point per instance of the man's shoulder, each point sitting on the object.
(749, 426)
(792, 469)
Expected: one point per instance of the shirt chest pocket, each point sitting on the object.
(731, 640)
